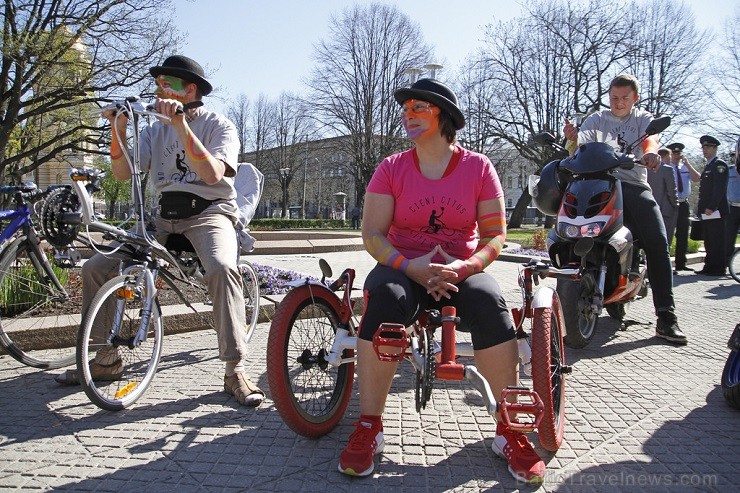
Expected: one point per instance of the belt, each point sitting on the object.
(683, 200)
(734, 204)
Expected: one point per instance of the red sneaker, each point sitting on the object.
(524, 463)
(357, 457)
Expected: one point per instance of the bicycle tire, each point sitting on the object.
(251, 287)
(138, 362)
(548, 379)
(734, 265)
(38, 322)
(311, 398)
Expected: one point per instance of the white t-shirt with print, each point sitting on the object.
(603, 126)
(163, 155)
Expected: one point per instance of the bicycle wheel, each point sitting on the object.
(119, 303)
(310, 395)
(251, 288)
(38, 315)
(734, 265)
(548, 372)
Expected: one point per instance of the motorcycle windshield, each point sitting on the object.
(594, 157)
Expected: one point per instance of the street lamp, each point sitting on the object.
(413, 74)
(318, 197)
(305, 171)
(432, 68)
(284, 174)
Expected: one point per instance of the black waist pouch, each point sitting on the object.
(181, 205)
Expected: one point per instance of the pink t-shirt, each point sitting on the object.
(436, 212)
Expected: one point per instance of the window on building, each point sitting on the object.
(509, 182)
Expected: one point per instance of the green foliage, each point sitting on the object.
(23, 289)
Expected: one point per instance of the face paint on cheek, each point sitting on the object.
(431, 127)
(169, 87)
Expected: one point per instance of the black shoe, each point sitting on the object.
(683, 267)
(667, 328)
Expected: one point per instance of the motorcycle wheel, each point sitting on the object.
(617, 311)
(579, 326)
(731, 372)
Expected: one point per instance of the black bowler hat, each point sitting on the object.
(185, 68)
(433, 91)
(676, 147)
(708, 140)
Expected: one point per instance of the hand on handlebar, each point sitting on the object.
(651, 160)
(172, 109)
(570, 130)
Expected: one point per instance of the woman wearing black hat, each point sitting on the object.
(422, 210)
(191, 160)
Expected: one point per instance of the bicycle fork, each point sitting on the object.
(139, 285)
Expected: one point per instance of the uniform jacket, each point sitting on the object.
(713, 188)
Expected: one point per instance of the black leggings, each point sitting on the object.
(390, 296)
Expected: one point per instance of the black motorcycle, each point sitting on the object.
(595, 259)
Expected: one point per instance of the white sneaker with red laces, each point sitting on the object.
(524, 462)
(357, 458)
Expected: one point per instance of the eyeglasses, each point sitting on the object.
(415, 107)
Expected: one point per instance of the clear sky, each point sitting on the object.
(266, 46)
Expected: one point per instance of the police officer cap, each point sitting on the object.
(676, 147)
(709, 140)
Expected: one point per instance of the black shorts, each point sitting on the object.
(390, 296)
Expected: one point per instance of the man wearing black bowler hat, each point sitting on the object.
(685, 174)
(712, 207)
(192, 160)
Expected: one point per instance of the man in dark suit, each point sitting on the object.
(685, 174)
(662, 181)
(712, 207)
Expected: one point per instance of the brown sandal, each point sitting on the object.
(100, 372)
(242, 388)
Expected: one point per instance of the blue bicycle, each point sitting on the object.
(40, 284)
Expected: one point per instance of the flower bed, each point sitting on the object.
(275, 281)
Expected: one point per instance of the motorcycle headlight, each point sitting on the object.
(567, 230)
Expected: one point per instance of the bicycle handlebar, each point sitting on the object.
(135, 105)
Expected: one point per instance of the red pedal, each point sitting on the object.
(390, 336)
(535, 408)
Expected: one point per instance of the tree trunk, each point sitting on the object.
(520, 209)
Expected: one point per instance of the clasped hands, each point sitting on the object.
(439, 279)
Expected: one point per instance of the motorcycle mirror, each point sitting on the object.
(543, 139)
(658, 125)
(325, 268)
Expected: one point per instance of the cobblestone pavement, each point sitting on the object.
(642, 415)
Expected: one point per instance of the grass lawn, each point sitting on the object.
(525, 236)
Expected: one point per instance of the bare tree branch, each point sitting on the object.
(61, 58)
